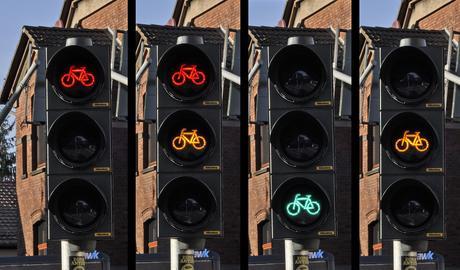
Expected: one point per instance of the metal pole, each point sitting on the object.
(230, 76)
(141, 70)
(181, 255)
(397, 254)
(17, 92)
(342, 76)
(288, 254)
(119, 77)
(253, 71)
(72, 258)
(404, 257)
(174, 253)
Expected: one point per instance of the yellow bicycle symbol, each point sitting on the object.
(188, 138)
(414, 140)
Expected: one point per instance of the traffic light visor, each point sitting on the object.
(299, 139)
(300, 204)
(409, 75)
(77, 205)
(186, 72)
(187, 203)
(410, 206)
(297, 73)
(75, 74)
(76, 140)
(186, 138)
(409, 140)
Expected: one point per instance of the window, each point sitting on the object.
(264, 238)
(374, 243)
(373, 147)
(262, 146)
(40, 244)
(376, 146)
(24, 156)
(38, 146)
(149, 144)
(150, 237)
(41, 145)
(361, 163)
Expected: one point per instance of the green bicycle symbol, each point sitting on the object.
(305, 203)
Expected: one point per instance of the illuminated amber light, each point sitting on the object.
(188, 138)
(77, 74)
(415, 140)
(188, 72)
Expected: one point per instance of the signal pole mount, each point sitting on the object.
(405, 254)
(73, 254)
(296, 253)
(182, 252)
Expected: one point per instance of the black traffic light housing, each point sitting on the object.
(78, 111)
(189, 146)
(412, 156)
(301, 124)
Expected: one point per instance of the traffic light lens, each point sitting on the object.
(186, 72)
(408, 140)
(409, 75)
(297, 73)
(75, 74)
(299, 139)
(76, 140)
(410, 205)
(77, 205)
(187, 203)
(186, 138)
(300, 204)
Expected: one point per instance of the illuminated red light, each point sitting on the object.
(188, 72)
(79, 74)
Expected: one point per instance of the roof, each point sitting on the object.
(167, 35)
(265, 35)
(8, 214)
(390, 37)
(41, 36)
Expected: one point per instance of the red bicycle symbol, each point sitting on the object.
(188, 72)
(77, 74)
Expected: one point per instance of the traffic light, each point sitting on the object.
(412, 141)
(301, 124)
(78, 112)
(189, 151)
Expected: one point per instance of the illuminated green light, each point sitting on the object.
(303, 203)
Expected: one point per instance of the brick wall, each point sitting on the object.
(113, 15)
(337, 14)
(226, 14)
(446, 17)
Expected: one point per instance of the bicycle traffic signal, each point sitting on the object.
(79, 117)
(189, 139)
(302, 140)
(412, 141)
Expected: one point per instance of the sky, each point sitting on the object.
(378, 12)
(16, 13)
(265, 12)
(151, 12)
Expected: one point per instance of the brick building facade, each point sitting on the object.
(199, 14)
(31, 136)
(413, 18)
(297, 15)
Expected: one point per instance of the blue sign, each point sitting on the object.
(93, 255)
(425, 256)
(202, 254)
(316, 255)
